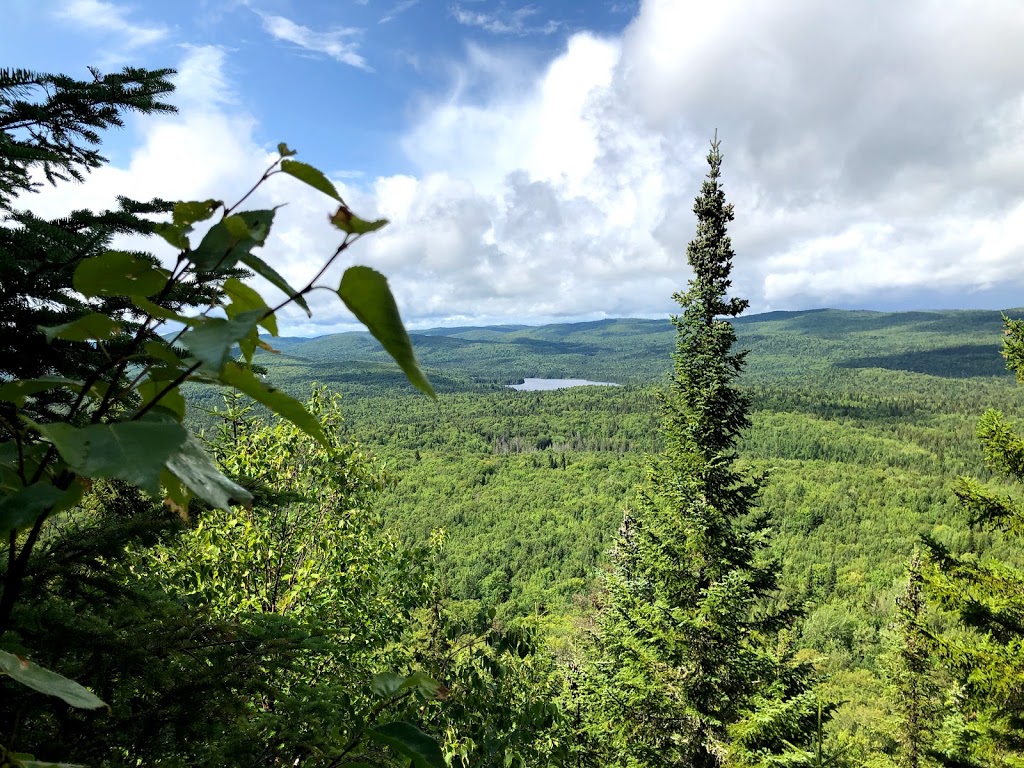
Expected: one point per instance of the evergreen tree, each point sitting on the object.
(694, 670)
(911, 672)
(986, 658)
(51, 124)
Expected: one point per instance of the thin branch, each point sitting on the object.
(266, 175)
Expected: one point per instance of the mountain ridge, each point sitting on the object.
(785, 347)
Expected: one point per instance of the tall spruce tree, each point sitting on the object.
(911, 672)
(695, 669)
(985, 727)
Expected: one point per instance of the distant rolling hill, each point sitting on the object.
(784, 346)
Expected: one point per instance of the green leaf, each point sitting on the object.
(230, 239)
(222, 245)
(133, 451)
(191, 464)
(43, 680)
(172, 401)
(178, 496)
(347, 221)
(94, 326)
(410, 741)
(283, 405)
(258, 223)
(118, 273)
(18, 462)
(283, 151)
(243, 299)
(366, 293)
(19, 390)
(25, 762)
(427, 686)
(386, 684)
(188, 213)
(311, 176)
(268, 273)
(172, 234)
(21, 508)
(389, 684)
(212, 340)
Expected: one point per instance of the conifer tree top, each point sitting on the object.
(705, 414)
(710, 253)
(54, 121)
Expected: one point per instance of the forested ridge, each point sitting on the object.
(784, 539)
(798, 348)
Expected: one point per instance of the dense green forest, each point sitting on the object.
(783, 539)
(860, 456)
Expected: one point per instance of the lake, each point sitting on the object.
(539, 385)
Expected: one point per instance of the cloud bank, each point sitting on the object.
(872, 151)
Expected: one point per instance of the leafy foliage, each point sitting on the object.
(91, 376)
(310, 560)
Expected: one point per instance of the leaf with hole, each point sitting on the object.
(119, 273)
(172, 234)
(258, 223)
(187, 213)
(366, 293)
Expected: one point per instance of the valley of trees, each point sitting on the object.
(229, 548)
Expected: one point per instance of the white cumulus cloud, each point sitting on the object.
(870, 150)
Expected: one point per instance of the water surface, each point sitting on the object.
(540, 385)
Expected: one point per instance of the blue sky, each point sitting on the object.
(538, 160)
